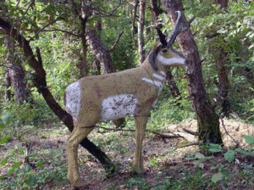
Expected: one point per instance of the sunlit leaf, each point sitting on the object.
(217, 177)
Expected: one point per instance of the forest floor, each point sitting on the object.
(170, 163)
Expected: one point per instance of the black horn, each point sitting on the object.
(162, 37)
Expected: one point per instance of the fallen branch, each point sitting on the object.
(191, 132)
(222, 122)
(154, 132)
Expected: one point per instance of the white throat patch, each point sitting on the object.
(171, 61)
(158, 81)
(118, 106)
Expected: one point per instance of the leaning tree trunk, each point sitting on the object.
(40, 82)
(156, 11)
(208, 120)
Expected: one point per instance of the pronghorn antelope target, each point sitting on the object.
(112, 96)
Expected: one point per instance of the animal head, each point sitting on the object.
(164, 53)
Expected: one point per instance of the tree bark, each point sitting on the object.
(101, 52)
(141, 24)
(7, 93)
(223, 82)
(172, 84)
(208, 120)
(156, 11)
(83, 65)
(16, 73)
(40, 81)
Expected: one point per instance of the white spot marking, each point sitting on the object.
(73, 99)
(156, 83)
(161, 78)
(163, 73)
(171, 61)
(118, 106)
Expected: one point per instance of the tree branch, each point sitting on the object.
(50, 23)
(40, 77)
(117, 40)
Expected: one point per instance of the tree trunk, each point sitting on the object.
(7, 93)
(16, 73)
(101, 52)
(223, 82)
(172, 84)
(223, 73)
(40, 81)
(170, 80)
(141, 23)
(208, 120)
(83, 65)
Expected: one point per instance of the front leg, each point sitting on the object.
(77, 135)
(140, 123)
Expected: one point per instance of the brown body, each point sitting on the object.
(113, 96)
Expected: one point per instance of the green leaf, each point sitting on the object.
(2, 125)
(225, 172)
(246, 153)
(4, 139)
(199, 155)
(6, 118)
(28, 167)
(20, 135)
(249, 139)
(3, 161)
(39, 164)
(3, 177)
(229, 155)
(216, 177)
(31, 181)
(201, 165)
(16, 164)
(11, 171)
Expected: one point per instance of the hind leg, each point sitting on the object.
(78, 134)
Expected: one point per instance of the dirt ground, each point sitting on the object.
(154, 146)
(162, 150)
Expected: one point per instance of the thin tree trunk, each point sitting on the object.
(40, 80)
(7, 93)
(208, 120)
(172, 84)
(83, 65)
(141, 24)
(223, 82)
(223, 73)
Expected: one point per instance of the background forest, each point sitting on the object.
(72, 39)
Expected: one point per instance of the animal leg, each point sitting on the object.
(77, 135)
(140, 123)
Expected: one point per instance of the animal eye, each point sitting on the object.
(164, 50)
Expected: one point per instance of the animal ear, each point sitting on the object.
(151, 60)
